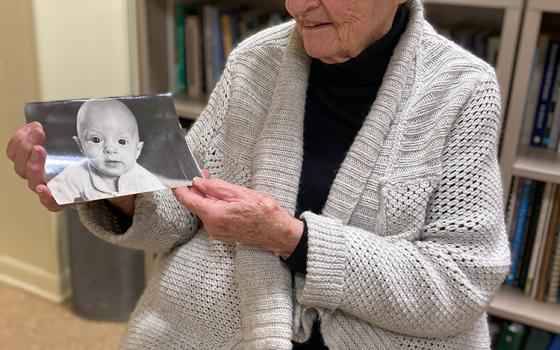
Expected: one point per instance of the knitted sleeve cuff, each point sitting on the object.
(326, 260)
(159, 222)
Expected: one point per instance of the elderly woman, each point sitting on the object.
(355, 198)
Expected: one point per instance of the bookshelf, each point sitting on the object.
(527, 162)
(535, 164)
(517, 21)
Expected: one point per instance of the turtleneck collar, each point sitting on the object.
(369, 65)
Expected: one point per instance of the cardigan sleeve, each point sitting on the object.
(440, 284)
(160, 222)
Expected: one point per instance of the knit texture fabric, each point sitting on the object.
(410, 245)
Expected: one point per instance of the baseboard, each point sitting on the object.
(46, 284)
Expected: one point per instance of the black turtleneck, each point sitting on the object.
(339, 97)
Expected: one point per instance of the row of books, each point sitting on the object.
(541, 125)
(508, 335)
(533, 223)
(481, 42)
(204, 37)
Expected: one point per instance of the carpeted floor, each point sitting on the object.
(28, 322)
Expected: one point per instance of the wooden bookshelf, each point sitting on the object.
(533, 164)
(189, 107)
(538, 164)
(510, 303)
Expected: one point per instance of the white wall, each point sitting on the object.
(51, 49)
(82, 48)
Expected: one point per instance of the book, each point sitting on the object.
(528, 186)
(530, 232)
(548, 247)
(195, 82)
(554, 275)
(511, 336)
(537, 339)
(537, 71)
(540, 236)
(513, 205)
(181, 75)
(492, 49)
(171, 44)
(554, 343)
(227, 35)
(545, 94)
(550, 136)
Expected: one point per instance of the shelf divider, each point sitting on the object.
(189, 107)
(510, 303)
(538, 164)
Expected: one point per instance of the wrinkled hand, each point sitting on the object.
(25, 149)
(233, 213)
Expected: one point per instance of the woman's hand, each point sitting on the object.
(25, 149)
(233, 213)
(28, 155)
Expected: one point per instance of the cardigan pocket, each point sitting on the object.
(403, 207)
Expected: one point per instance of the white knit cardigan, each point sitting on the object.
(410, 245)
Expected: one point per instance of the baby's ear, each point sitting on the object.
(139, 148)
(77, 140)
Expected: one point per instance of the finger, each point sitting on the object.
(194, 202)
(47, 200)
(35, 136)
(17, 138)
(220, 189)
(206, 173)
(35, 171)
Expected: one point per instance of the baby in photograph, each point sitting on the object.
(109, 140)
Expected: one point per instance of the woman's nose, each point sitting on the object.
(298, 7)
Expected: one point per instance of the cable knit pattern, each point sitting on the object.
(410, 245)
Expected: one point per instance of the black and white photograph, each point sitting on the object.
(110, 147)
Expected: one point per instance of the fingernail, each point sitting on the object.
(33, 136)
(34, 155)
(196, 179)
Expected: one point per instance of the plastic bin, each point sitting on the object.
(107, 280)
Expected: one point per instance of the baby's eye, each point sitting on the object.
(122, 142)
(95, 139)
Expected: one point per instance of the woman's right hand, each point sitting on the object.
(28, 155)
(25, 149)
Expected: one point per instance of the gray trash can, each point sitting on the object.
(107, 280)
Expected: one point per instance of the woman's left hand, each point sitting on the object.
(233, 213)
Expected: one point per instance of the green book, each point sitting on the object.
(511, 336)
(537, 339)
(180, 14)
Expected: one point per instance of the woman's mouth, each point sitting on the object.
(315, 26)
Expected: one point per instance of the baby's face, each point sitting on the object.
(111, 144)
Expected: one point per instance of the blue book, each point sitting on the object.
(554, 343)
(517, 238)
(545, 95)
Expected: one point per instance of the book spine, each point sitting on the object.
(180, 12)
(554, 279)
(547, 251)
(531, 228)
(545, 95)
(549, 138)
(519, 230)
(539, 237)
(208, 50)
